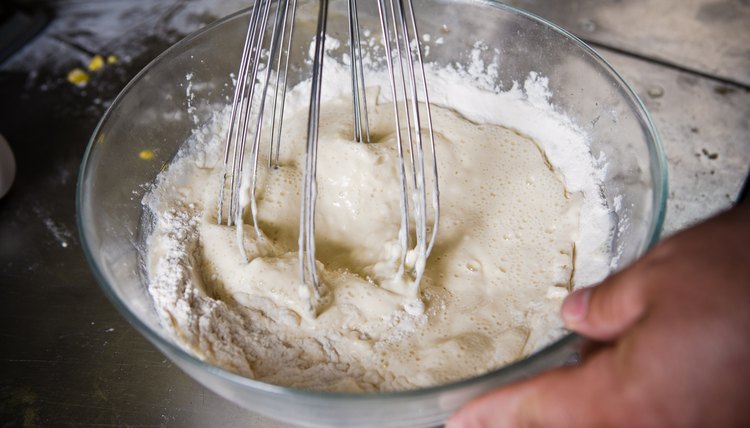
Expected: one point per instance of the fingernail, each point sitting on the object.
(576, 305)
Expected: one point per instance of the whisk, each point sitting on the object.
(252, 107)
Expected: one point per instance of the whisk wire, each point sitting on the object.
(409, 93)
(236, 102)
(281, 83)
(276, 34)
(359, 93)
(414, 50)
(242, 108)
(308, 271)
(404, 199)
(431, 132)
(402, 72)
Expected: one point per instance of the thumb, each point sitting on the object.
(607, 310)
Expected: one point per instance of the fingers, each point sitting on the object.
(554, 399)
(606, 311)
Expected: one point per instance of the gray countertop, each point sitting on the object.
(68, 358)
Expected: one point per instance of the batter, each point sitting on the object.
(504, 259)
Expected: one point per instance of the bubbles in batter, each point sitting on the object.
(504, 259)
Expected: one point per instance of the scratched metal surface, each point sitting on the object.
(68, 358)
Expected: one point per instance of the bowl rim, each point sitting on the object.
(567, 341)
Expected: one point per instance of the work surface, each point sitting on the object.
(68, 358)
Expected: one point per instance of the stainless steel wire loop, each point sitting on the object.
(264, 70)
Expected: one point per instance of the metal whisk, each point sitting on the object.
(249, 102)
(411, 109)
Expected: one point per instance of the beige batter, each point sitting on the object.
(503, 261)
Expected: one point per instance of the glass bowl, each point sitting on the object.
(149, 120)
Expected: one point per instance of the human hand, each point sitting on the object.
(670, 343)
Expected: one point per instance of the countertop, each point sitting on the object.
(69, 358)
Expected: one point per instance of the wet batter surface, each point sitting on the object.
(492, 287)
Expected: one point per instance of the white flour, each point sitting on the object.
(502, 305)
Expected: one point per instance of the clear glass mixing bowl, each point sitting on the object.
(151, 114)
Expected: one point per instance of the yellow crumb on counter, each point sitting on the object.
(146, 154)
(78, 77)
(96, 63)
(112, 59)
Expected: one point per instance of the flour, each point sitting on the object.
(493, 284)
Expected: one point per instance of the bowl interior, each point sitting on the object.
(160, 108)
